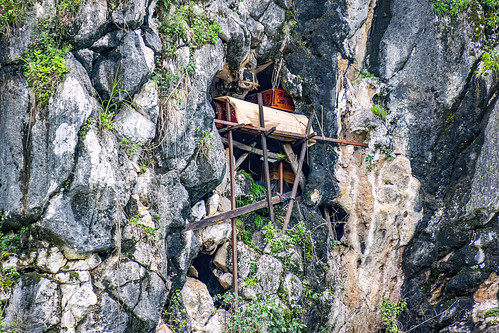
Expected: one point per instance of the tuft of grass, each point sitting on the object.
(379, 111)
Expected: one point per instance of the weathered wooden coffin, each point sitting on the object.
(274, 98)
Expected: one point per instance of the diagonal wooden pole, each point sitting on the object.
(297, 178)
(265, 157)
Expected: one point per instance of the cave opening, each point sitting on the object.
(204, 266)
(338, 217)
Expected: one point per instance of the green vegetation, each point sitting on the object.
(299, 235)
(492, 312)
(484, 14)
(370, 162)
(175, 314)
(206, 141)
(13, 13)
(260, 315)
(109, 107)
(379, 111)
(6, 328)
(185, 24)
(364, 73)
(490, 61)
(389, 312)
(45, 65)
(390, 155)
(149, 231)
(251, 280)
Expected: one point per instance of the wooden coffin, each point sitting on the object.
(274, 98)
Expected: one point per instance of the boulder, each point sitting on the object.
(129, 14)
(134, 126)
(198, 303)
(91, 22)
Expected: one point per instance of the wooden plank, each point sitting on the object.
(253, 149)
(212, 220)
(278, 134)
(265, 157)
(293, 161)
(281, 177)
(295, 184)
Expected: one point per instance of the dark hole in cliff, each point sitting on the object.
(338, 217)
(204, 266)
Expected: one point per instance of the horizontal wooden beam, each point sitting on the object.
(253, 149)
(235, 213)
(291, 136)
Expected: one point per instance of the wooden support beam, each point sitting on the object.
(232, 206)
(253, 149)
(270, 131)
(265, 157)
(302, 140)
(295, 184)
(212, 220)
(281, 177)
(230, 128)
(293, 161)
(283, 135)
(328, 220)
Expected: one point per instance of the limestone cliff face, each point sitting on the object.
(98, 211)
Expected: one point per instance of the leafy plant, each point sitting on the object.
(389, 312)
(175, 314)
(492, 312)
(109, 107)
(370, 162)
(379, 111)
(12, 13)
(490, 61)
(85, 128)
(187, 25)
(263, 314)
(6, 328)
(206, 141)
(45, 65)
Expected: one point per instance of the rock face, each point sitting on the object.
(92, 213)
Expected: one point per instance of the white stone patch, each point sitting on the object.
(65, 139)
(51, 260)
(134, 126)
(198, 303)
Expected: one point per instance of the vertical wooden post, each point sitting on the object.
(281, 178)
(232, 207)
(265, 157)
(328, 220)
(297, 177)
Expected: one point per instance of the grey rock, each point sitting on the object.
(222, 256)
(256, 30)
(254, 8)
(107, 317)
(104, 75)
(129, 14)
(108, 41)
(136, 64)
(273, 19)
(82, 219)
(212, 236)
(54, 137)
(34, 305)
(151, 302)
(91, 22)
(146, 101)
(292, 287)
(268, 274)
(183, 260)
(198, 211)
(152, 40)
(133, 126)
(86, 57)
(212, 204)
(14, 108)
(198, 303)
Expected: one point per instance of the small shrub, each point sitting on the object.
(389, 312)
(492, 312)
(379, 111)
(490, 62)
(263, 314)
(174, 315)
(13, 13)
(206, 141)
